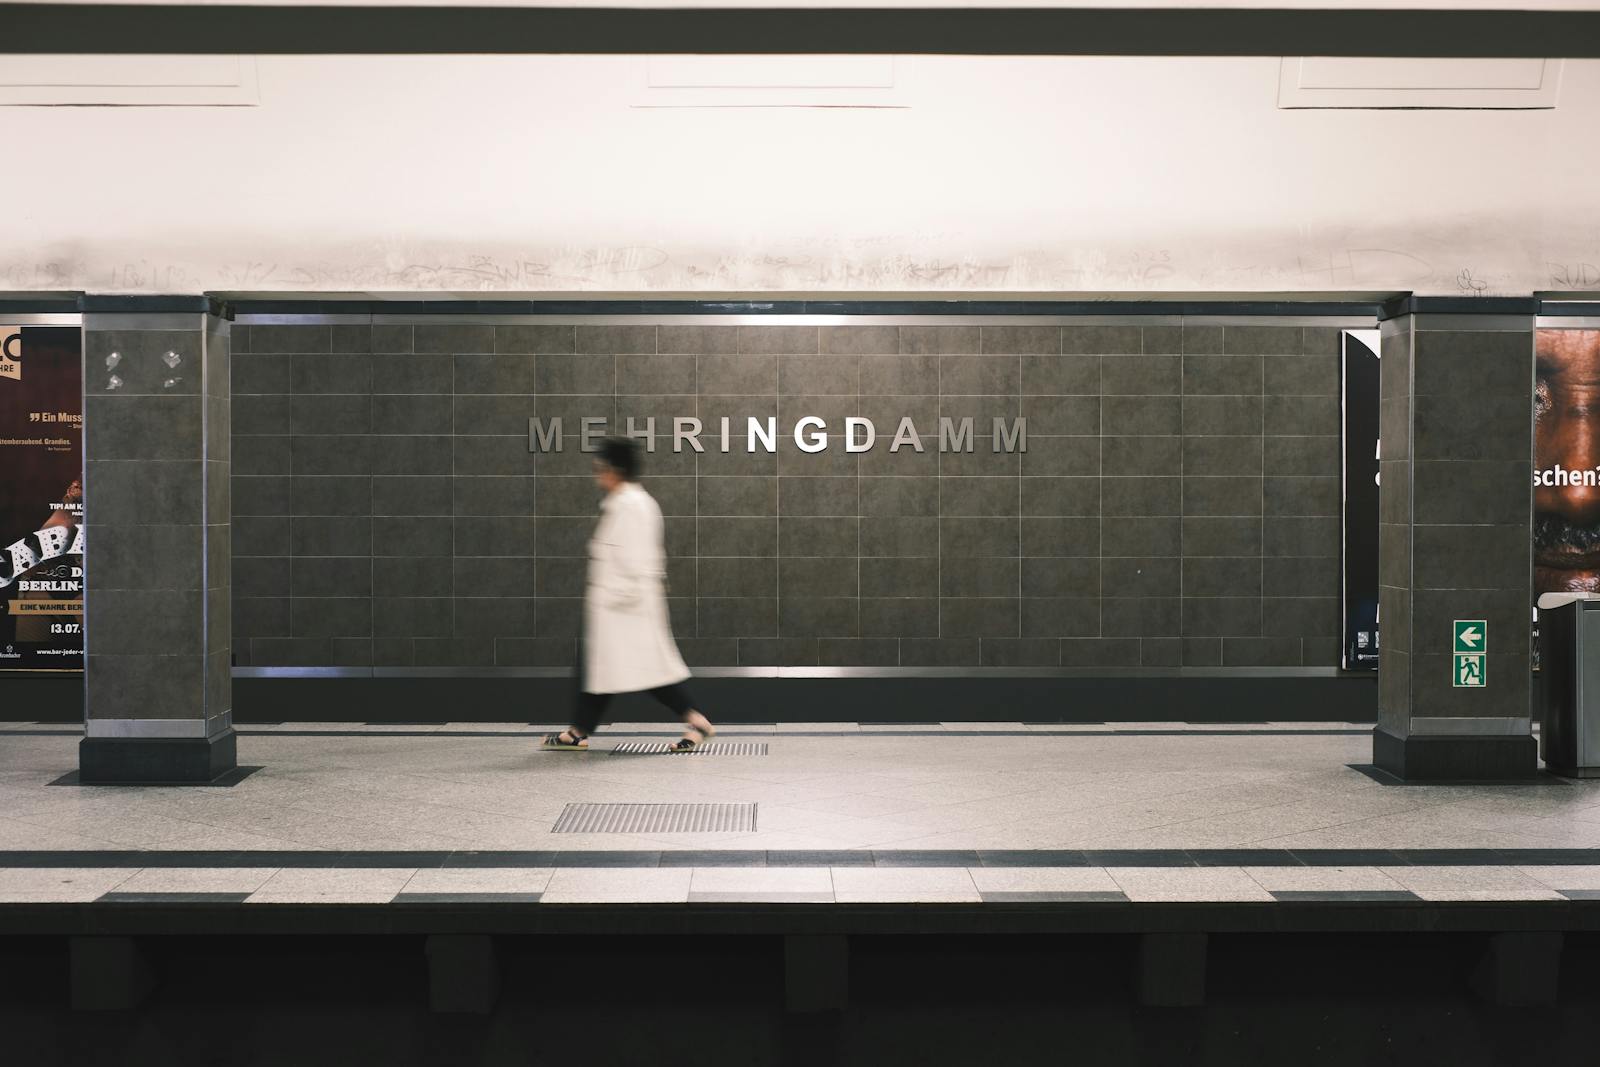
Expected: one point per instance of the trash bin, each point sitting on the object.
(1569, 672)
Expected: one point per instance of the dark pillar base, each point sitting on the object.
(1520, 968)
(156, 761)
(463, 973)
(108, 974)
(1172, 970)
(816, 970)
(1455, 757)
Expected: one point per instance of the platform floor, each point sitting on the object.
(951, 812)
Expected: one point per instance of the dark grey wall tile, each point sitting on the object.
(453, 337)
(817, 616)
(1020, 652)
(892, 576)
(980, 496)
(1145, 616)
(1015, 339)
(1141, 375)
(1285, 415)
(889, 536)
(738, 536)
(1309, 375)
(1265, 340)
(1227, 455)
(1067, 375)
(1160, 652)
(1060, 496)
(396, 535)
(575, 375)
(981, 577)
(1220, 375)
(1057, 617)
(817, 496)
(830, 537)
(1101, 340)
(1140, 536)
(494, 374)
(741, 616)
(1061, 576)
(1221, 576)
(405, 373)
(617, 338)
(1221, 416)
(979, 617)
(1301, 616)
(412, 576)
(535, 337)
(858, 652)
(332, 536)
(384, 339)
(778, 652)
(1141, 496)
(1261, 652)
(1141, 455)
(1302, 495)
(922, 340)
(890, 495)
(818, 577)
(730, 375)
(898, 375)
(495, 536)
(903, 617)
(1301, 536)
(331, 616)
(810, 376)
(765, 340)
(311, 338)
(1062, 456)
(989, 375)
(1222, 496)
(1125, 576)
(1143, 415)
(1100, 652)
(1222, 617)
(261, 374)
(1202, 651)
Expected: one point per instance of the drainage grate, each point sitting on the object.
(655, 818)
(712, 748)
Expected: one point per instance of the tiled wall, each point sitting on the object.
(1178, 502)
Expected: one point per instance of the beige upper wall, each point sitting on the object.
(530, 173)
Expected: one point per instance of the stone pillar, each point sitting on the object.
(1455, 539)
(157, 612)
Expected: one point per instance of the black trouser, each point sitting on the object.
(591, 706)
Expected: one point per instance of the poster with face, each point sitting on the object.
(41, 498)
(1566, 479)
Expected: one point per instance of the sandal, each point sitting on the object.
(689, 744)
(566, 741)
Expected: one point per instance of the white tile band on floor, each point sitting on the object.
(843, 885)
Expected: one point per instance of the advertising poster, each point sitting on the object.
(41, 498)
(1566, 459)
(1358, 596)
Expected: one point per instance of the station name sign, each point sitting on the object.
(811, 434)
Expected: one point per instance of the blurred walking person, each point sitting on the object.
(627, 636)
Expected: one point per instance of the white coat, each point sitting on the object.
(627, 635)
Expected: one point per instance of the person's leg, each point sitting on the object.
(697, 727)
(587, 712)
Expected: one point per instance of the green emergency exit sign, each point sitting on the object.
(1470, 644)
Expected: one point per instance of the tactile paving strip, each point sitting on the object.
(711, 748)
(655, 818)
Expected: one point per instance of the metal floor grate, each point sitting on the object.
(711, 748)
(655, 818)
